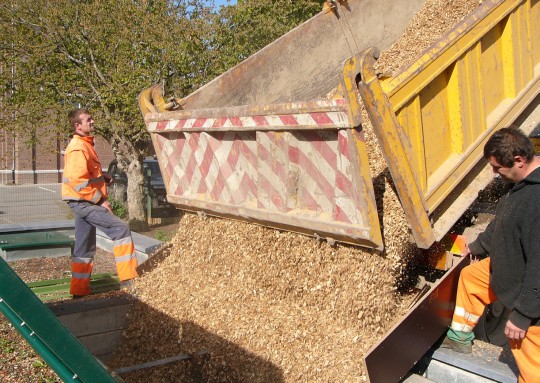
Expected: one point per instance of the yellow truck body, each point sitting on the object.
(434, 118)
(277, 140)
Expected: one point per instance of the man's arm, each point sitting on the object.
(77, 172)
(513, 332)
(482, 245)
(527, 305)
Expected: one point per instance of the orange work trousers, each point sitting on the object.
(88, 217)
(473, 294)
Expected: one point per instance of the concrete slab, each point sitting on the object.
(415, 378)
(17, 246)
(442, 373)
(98, 324)
(41, 252)
(47, 225)
(65, 227)
(144, 246)
(487, 363)
(472, 232)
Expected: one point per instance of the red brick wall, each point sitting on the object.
(41, 163)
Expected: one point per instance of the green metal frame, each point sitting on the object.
(46, 334)
(59, 288)
(14, 241)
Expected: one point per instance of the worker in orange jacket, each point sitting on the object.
(84, 189)
(511, 272)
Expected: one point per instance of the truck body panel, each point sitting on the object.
(296, 166)
(305, 64)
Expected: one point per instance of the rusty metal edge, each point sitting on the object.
(416, 333)
(322, 105)
(317, 228)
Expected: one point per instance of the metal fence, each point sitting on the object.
(25, 177)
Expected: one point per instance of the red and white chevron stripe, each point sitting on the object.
(273, 171)
(291, 174)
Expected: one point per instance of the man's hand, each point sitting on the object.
(107, 205)
(466, 251)
(514, 333)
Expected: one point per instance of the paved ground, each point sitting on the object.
(32, 203)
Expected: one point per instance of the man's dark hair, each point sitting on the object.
(74, 116)
(508, 143)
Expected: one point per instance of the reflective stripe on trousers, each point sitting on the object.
(88, 217)
(81, 271)
(473, 295)
(124, 255)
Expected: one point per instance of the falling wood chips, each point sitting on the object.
(272, 306)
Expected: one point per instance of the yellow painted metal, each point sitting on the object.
(146, 104)
(476, 79)
(351, 68)
(534, 29)
(395, 146)
(536, 143)
(350, 71)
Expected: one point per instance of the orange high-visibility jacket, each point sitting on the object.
(83, 177)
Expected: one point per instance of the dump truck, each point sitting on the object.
(278, 140)
(264, 143)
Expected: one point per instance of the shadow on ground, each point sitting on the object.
(153, 335)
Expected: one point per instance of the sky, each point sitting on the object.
(224, 2)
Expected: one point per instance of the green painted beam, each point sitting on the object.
(56, 289)
(14, 241)
(46, 334)
(50, 282)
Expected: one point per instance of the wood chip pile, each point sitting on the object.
(432, 21)
(272, 306)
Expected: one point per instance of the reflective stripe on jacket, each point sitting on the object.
(83, 177)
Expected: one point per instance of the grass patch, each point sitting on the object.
(118, 208)
(163, 236)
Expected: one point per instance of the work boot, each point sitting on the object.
(125, 285)
(462, 348)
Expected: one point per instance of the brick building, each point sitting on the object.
(26, 163)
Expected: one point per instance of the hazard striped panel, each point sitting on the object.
(321, 114)
(296, 166)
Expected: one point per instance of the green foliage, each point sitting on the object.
(162, 236)
(118, 208)
(37, 364)
(100, 54)
(6, 346)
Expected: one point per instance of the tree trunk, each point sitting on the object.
(136, 199)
